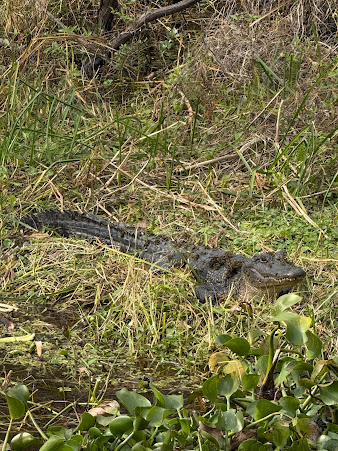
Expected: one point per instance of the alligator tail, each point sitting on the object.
(72, 223)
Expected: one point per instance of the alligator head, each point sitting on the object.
(271, 273)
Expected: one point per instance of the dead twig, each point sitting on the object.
(126, 35)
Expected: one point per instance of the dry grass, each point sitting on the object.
(119, 147)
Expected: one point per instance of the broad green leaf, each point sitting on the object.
(300, 445)
(23, 441)
(302, 367)
(254, 334)
(280, 434)
(320, 368)
(250, 381)
(289, 404)
(313, 345)
(185, 425)
(94, 432)
(104, 420)
(121, 425)
(138, 447)
(158, 395)
(263, 407)
(305, 382)
(17, 398)
(262, 365)
(53, 444)
(227, 385)
(296, 327)
(325, 443)
(307, 428)
(252, 445)
(58, 431)
(16, 407)
(284, 302)
(209, 388)
(174, 402)
(231, 420)
(156, 415)
(75, 443)
(19, 392)
(329, 394)
(287, 368)
(222, 339)
(87, 421)
(65, 447)
(132, 400)
(239, 346)
(210, 437)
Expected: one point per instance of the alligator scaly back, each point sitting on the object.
(161, 251)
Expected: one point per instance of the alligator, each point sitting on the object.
(218, 272)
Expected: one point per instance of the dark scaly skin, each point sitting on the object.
(218, 272)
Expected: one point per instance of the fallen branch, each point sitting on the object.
(147, 17)
(126, 35)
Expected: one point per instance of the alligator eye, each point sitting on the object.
(263, 259)
(280, 255)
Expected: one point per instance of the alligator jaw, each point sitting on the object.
(272, 274)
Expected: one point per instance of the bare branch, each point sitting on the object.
(147, 17)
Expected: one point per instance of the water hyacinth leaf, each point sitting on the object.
(20, 391)
(174, 402)
(218, 359)
(252, 445)
(235, 366)
(227, 385)
(262, 408)
(319, 369)
(313, 346)
(158, 395)
(329, 394)
(75, 443)
(222, 339)
(121, 425)
(156, 415)
(138, 447)
(239, 346)
(54, 443)
(308, 428)
(305, 382)
(284, 302)
(301, 368)
(280, 434)
(94, 432)
(231, 420)
(59, 431)
(250, 381)
(296, 327)
(17, 398)
(210, 437)
(185, 425)
(23, 441)
(132, 400)
(289, 404)
(300, 445)
(209, 388)
(287, 368)
(325, 443)
(87, 421)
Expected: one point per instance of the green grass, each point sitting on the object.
(128, 149)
